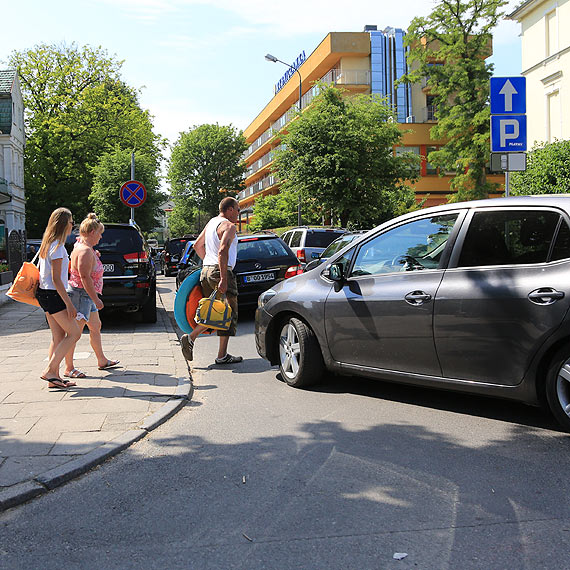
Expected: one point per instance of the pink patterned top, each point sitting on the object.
(96, 275)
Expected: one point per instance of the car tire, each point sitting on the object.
(148, 310)
(300, 358)
(557, 387)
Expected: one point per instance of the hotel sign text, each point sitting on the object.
(287, 75)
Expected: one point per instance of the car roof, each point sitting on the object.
(561, 201)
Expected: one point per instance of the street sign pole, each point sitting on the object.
(508, 122)
(132, 220)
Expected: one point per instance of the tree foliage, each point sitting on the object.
(77, 109)
(547, 170)
(449, 47)
(206, 164)
(111, 172)
(338, 155)
(274, 211)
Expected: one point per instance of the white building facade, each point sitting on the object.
(12, 139)
(546, 65)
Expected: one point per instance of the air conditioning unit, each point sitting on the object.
(411, 119)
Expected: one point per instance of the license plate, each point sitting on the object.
(259, 277)
(314, 255)
(108, 267)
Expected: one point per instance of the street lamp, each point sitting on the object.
(273, 59)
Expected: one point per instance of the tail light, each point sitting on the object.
(167, 257)
(301, 255)
(142, 285)
(138, 257)
(293, 270)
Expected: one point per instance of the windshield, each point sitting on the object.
(338, 245)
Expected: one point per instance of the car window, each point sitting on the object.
(120, 240)
(413, 246)
(562, 245)
(286, 237)
(508, 237)
(296, 239)
(321, 239)
(261, 249)
(176, 246)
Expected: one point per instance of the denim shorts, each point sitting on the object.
(82, 301)
(50, 301)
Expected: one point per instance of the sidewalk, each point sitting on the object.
(48, 436)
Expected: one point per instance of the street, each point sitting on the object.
(352, 474)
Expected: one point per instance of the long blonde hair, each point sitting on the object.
(56, 229)
(91, 224)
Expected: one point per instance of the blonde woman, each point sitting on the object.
(52, 295)
(85, 286)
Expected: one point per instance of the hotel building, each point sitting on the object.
(361, 62)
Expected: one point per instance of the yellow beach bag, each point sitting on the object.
(214, 313)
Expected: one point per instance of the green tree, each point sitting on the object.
(111, 172)
(547, 170)
(205, 164)
(338, 155)
(77, 109)
(449, 48)
(274, 211)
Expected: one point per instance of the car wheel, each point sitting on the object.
(300, 359)
(149, 308)
(557, 387)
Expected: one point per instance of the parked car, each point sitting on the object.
(129, 281)
(186, 260)
(471, 297)
(335, 246)
(171, 255)
(262, 261)
(32, 247)
(308, 243)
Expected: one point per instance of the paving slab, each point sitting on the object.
(48, 436)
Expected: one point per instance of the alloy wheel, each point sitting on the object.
(289, 351)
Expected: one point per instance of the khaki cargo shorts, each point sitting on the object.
(209, 279)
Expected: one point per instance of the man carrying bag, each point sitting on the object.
(217, 247)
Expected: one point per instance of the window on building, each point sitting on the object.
(553, 118)
(551, 33)
(430, 168)
(401, 150)
(430, 108)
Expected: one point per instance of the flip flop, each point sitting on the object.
(110, 364)
(75, 373)
(58, 382)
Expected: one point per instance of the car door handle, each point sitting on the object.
(545, 296)
(416, 298)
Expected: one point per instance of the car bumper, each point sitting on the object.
(262, 320)
(118, 293)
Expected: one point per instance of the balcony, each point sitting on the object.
(257, 187)
(265, 159)
(347, 77)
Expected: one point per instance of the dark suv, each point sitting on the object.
(262, 261)
(129, 281)
(171, 253)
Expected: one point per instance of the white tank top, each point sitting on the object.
(213, 244)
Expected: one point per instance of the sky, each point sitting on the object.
(202, 61)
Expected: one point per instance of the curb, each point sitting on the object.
(49, 480)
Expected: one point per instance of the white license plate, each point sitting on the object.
(108, 267)
(259, 277)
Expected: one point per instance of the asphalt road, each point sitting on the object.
(254, 474)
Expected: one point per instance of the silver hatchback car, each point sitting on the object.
(471, 296)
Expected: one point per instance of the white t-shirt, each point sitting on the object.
(55, 251)
(213, 243)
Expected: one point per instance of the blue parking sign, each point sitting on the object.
(508, 95)
(508, 133)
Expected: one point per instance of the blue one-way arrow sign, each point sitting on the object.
(508, 95)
